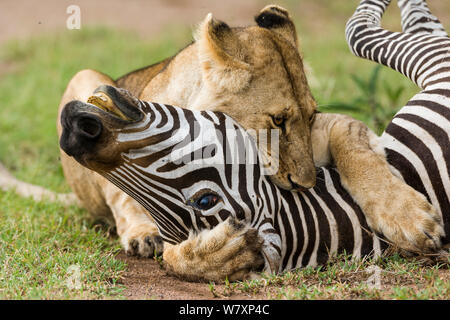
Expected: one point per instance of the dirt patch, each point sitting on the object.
(145, 279)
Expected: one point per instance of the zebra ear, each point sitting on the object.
(221, 56)
(277, 19)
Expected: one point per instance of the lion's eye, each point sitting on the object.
(279, 121)
(206, 201)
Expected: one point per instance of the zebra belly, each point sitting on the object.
(417, 148)
(324, 222)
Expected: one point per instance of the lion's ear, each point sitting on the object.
(277, 19)
(221, 56)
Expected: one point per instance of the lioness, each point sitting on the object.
(255, 74)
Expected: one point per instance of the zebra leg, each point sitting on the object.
(411, 54)
(391, 207)
(417, 18)
(101, 198)
(416, 140)
(229, 250)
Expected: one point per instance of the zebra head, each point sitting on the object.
(190, 169)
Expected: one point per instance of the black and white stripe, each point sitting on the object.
(417, 139)
(303, 229)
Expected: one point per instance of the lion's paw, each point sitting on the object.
(231, 250)
(409, 221)
(143, 241)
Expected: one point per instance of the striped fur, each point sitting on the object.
(417, 139)
(302, 228)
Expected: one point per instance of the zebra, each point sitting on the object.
(416, 141)
(298, 229)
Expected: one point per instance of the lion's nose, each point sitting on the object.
(302, 184)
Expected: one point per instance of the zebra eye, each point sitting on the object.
(206, 201)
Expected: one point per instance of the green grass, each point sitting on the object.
(39, 242)
(43, 66)
(343, 278)
(337, 75)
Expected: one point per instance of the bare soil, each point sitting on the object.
(146, 279)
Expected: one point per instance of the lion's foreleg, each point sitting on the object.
(391, 207)
(135, 227)
(101, 198)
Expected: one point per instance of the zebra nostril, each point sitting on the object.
(89, 127)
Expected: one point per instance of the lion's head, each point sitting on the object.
(256, 75)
